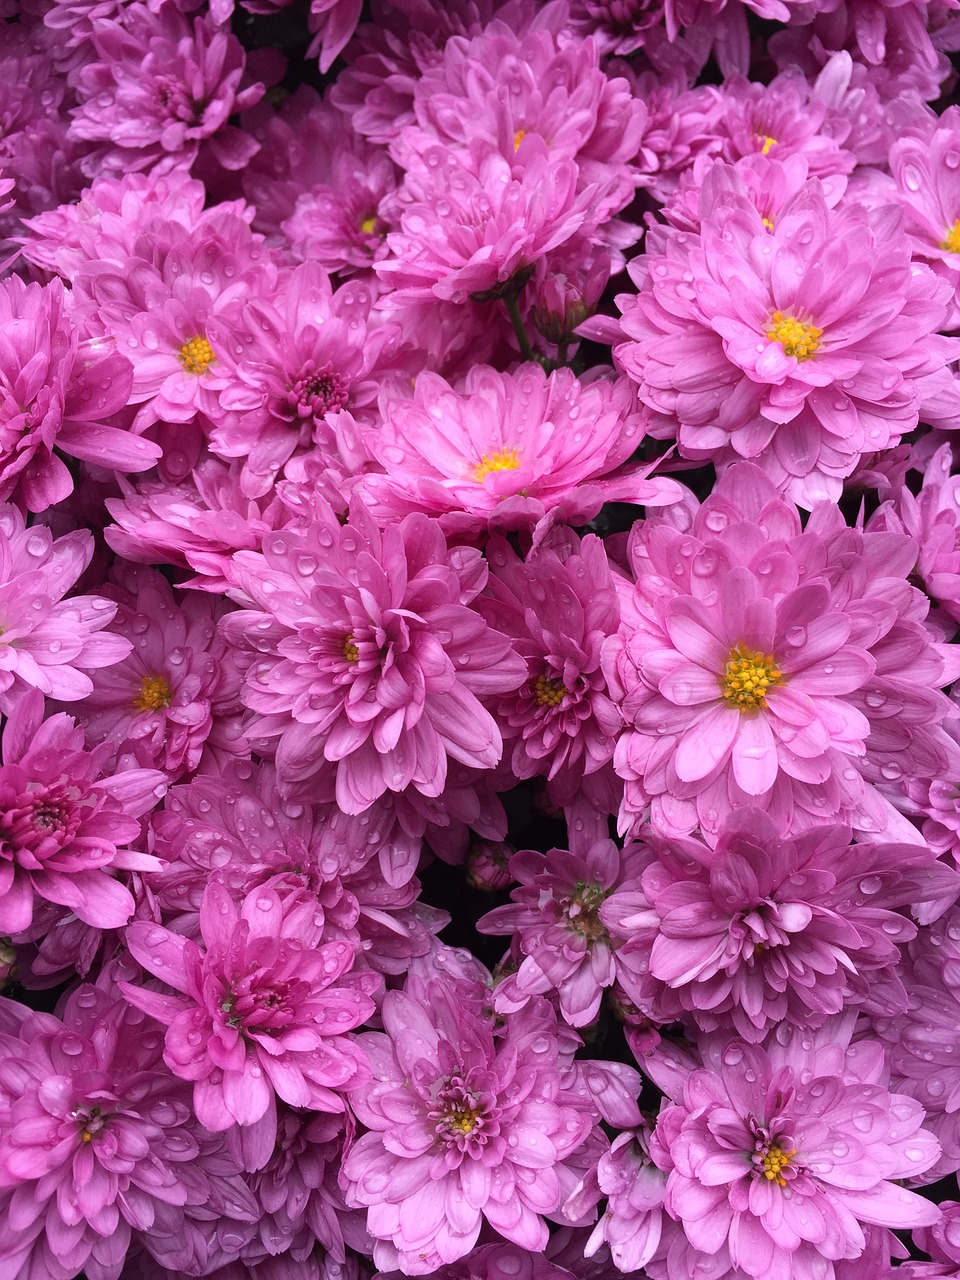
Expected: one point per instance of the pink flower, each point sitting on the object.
(762, 931)
(470, 228)
(369, 664)
(510, 451)
(62, 825)
(177, 694)
(802, 346)
(57, 393)
(465, 1125)
(782, 1153)
(560, 606)
(49, 643)
(317, 352)
(160, 89)
(261, 1009)
(98, 1139)
(755, 665)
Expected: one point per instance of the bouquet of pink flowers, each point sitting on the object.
(479, 592)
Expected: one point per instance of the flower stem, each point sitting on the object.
(511, 302)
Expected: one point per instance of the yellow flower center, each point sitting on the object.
(798, 339)
(767, 143)
(369, 225)
(154, 695)
(773, 1162)
(518, 137)
(768, 223)
(748, 676)
(463, 1121)
(549, 693)
(350, 650)
(952, 239)
(502, 460)
(197, 355)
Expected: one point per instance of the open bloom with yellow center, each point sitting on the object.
(469, 1123)
(744, 676)
(506, 450)
(801, 342)
(783, 1154)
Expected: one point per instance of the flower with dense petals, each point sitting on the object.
(62, 825)
(802, 346)
(559, 606)
(760, 664)
(471, 229)
(762, 931)
(318, 353)
(177, 694)
(159, 89)
(466, 1125)
(510, 451)
(262, 1009)
(497, 1262)
(56, 393)
(560, 941)
(369, 663)
(98, 1140)
(46, 642)
(783, 1153)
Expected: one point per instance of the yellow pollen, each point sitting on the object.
(462, 1121)
(518, 137)
(154, 695)
(952, 240)
(86, 1136)
(767, 142)
(768, 223)
(798, 339)
(369, 225)
(549, 693)
(774, 1161)
(502, 460)
(748, 676)
(350, 650)
(197, 355)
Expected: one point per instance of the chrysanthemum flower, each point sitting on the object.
(465, 1125)
(560, 942)
(510, 450)
(57, 394)
(762, 931)
(760, 664)
(368, 659)
(98, 1140)
(161, 88)
(177, 694)
(782, 1154)
(46, 642)
(315, 353)
(802, 346)
(63, 826)
(559, 607)
(262, 1007)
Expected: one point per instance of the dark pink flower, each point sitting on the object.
(62, 825)
(262, 1007)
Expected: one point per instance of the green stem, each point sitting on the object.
(512, 303)
(562, 353)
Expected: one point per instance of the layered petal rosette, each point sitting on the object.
(803, 344)
(370, 664)
(510, 450)
(758, 663)
(783, 1154)
(262, 1007)
(466, 1124)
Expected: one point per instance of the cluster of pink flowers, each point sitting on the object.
(479, 603)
